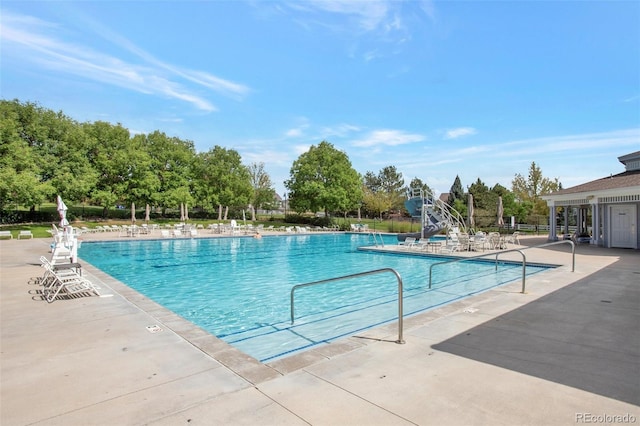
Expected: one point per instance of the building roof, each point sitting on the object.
(621, 180)
(630, 178)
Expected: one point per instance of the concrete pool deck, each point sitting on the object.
(565, 352)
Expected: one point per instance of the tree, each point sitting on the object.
(392, 183)
(172, 161)
(322, 179)
(383, 192)
(531, 188)
(223, 180)
(107, 153)
(416, 183)
(456, 192)
(143, 184)
(263, 192)
(20, 182)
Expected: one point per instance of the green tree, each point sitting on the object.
(416, 183)
(392, 184)
(108, 154)
(20, 177)
(383, 192)
(455, 193)
(223, 181)
(531, 188)
(374, 199)
(172, 161)
(263, 192)
(143, 184)
(322, 179)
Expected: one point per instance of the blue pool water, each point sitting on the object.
(239, 288)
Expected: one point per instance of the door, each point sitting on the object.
(623, 226)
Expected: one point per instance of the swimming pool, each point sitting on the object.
(239, 288)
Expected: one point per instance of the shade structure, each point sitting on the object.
(62, 211)
(147, 213)
(500, 212)
(133, 212)
(182, 212)
(472, 221)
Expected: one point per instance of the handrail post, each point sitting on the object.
(524, 259)
(360, 274)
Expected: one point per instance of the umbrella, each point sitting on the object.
(186, 212)
(181, 212)
(500, 212)
(470, 208)
(62, 210)
(133, 212)
(146, 214)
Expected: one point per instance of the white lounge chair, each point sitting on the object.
(67, 282)
(421, 244)
(408, 242)
(25, 234)
(452, 244)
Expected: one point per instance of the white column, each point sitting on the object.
(595, 223)
(552, 222)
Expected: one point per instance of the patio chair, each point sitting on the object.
(513, 238)
(480, 240)
(25, 234)
(68, 286)
(421, 244)
(66, 282)
(452, 244)
(408, 242)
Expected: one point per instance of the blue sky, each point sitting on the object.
(478, 89)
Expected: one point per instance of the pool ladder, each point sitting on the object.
(375, 236)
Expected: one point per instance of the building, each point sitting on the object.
(604, 212)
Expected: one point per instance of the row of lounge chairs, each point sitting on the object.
(459, 241)
(21, 234)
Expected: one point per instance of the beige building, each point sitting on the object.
(604, 212)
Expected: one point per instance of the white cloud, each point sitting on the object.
(341, 130)
(29, 39)
(389, 138)
(293, 133)
(459, 132)
(301, 149)
(573, 145)
(369, 15)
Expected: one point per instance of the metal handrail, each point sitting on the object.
(360, 274)
(519, 250)
(375, 239)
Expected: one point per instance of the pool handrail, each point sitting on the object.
(359, 274)
(520, 250)
(375, 239)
